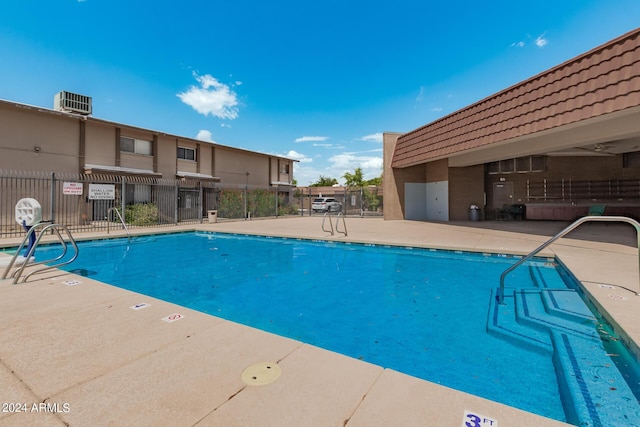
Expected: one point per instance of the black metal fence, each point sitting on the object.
(85, 202)
(359, 201)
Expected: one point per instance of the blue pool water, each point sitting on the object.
(417, 311)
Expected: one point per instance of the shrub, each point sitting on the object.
(141, 214)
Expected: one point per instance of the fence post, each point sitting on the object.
(53, 197)
(276, 200)
(200, 201)
(176, 197)
(123, 197)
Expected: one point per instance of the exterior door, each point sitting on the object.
(502, 194)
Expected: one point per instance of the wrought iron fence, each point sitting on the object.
(359, 201)
(83, 202)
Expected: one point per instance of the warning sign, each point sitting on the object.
(72, 188)
(102, 192)
(173, 317)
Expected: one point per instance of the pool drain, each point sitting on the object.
(262, 373)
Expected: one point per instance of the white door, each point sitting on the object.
(438, 201)
(415, 201)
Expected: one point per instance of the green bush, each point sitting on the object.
(141, 214)
(231, 204)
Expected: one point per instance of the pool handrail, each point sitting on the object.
(324, 217)
(344, 224)
(121, 220)
(47, 226)
(562, 233)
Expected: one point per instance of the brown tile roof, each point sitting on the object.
(603, 80)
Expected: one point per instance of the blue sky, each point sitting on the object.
(315, 81)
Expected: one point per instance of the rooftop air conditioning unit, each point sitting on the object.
(72, 103)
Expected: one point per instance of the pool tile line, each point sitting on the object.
(536, 314)
(594, 416)
(564, 345)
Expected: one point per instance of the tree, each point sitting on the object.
(354, 180)
(375, 181)
(324, 181)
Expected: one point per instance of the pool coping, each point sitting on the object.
(381, 397)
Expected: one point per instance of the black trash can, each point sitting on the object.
(474, 213)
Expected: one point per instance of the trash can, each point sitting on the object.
(474, 213)
(213, 216)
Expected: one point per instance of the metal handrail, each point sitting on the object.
(55, 229)
(324, 217)
(344, 224)
(570, 228)
(121, 220)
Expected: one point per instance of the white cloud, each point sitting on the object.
(517, 44)
(205, 135)
(212, 97)
(348, 162)
(375, 137)
(436, 109)
(298, 156)
(311, 138)
(420, 96)
(541, 41)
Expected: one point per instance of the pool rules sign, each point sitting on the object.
(102, 191)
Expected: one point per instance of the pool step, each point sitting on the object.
(558, 323)
(544, 277)
(503, 323)
(559, 310)
(590, 382)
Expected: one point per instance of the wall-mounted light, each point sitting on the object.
(36, 149)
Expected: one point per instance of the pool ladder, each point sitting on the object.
(44, 228)
(337, 228)
(570, 228)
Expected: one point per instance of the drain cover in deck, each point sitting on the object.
(262, 373)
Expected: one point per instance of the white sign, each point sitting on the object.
(173, 317)
(102, 192)
(472, 419)
(72, 188)
(72, 282)
(140, 306)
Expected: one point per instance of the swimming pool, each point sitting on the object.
(421, 312)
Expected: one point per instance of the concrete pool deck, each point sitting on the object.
(74, 352)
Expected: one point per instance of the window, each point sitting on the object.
(138, 193)
(186, 153)
(284, 167)
(631, 160)
(520, 164)
(137, 146)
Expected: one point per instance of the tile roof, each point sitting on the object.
(601, 81)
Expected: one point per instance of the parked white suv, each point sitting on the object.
(326, 204)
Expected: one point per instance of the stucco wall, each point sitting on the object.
(232, 167)
(33, 141)
(100, 144)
